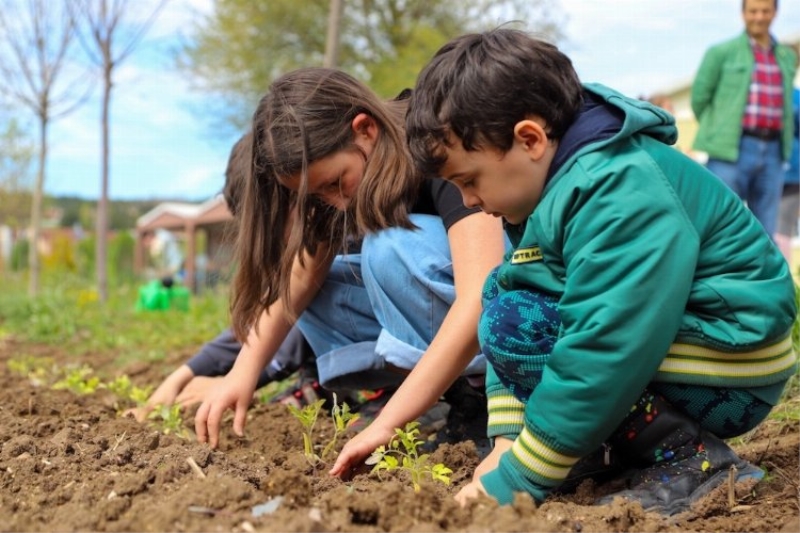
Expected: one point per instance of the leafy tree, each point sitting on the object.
(236, 51)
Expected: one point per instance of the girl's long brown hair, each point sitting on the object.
(306, 115)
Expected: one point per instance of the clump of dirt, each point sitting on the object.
(70, 463)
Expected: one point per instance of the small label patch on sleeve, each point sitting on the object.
(526, 255)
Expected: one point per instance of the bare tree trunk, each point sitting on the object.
(101, 229)
(36, 211)
(332, 41)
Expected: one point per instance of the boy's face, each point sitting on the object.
(507, 185)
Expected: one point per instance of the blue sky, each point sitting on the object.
(162, 146)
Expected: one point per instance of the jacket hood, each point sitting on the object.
(608, 116)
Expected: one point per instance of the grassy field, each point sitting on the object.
(69, 314)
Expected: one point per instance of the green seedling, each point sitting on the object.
(308, 416)
(341, 418)
(169, 420)
(35, 369)
(79, 380)
(127, 394)
(403, 454)
(139, 395)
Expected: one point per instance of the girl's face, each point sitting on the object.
(335, 178)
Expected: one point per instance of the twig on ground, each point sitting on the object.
(732, 487)
(196, 467)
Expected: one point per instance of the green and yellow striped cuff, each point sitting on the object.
(689, 363)
(541, 464)
(506, 415)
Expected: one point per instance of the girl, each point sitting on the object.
(381, 269)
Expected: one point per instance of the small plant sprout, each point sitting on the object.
(33, 368)
(169, 420)
(139, 395)
(121, 386)
(79, 380)
(308, 416)
(403, 454)
(342, 418)
(127, 394)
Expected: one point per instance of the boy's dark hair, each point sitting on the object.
(478, 86)
(236, 172)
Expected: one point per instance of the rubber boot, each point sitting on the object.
(680, 462)
(601, 465)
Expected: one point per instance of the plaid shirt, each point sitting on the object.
(765, 100)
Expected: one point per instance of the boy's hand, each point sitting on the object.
(360, 447)
(490, 462)
(470, 491)
(229, 394)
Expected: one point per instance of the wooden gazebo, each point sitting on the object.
(185, 220)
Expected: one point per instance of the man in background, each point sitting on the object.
(742, 98)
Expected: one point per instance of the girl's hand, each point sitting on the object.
(165, 394)
(197, 390)
(230, 394)
(470, 491)
(360, 447)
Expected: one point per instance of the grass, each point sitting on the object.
(68, 313)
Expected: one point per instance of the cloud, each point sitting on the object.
(201, 179)
(640, 47)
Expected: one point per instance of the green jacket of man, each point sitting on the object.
(719, 96)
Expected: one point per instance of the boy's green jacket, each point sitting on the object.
(661, 273)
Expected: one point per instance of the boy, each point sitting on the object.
(636, 279)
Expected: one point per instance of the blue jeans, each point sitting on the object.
(379, 310)
(757, 178)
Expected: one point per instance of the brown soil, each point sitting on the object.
(70, 463)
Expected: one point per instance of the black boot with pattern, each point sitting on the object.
(680, 461)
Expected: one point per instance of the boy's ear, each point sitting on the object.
(531, 135)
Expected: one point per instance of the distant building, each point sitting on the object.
(209, 222)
